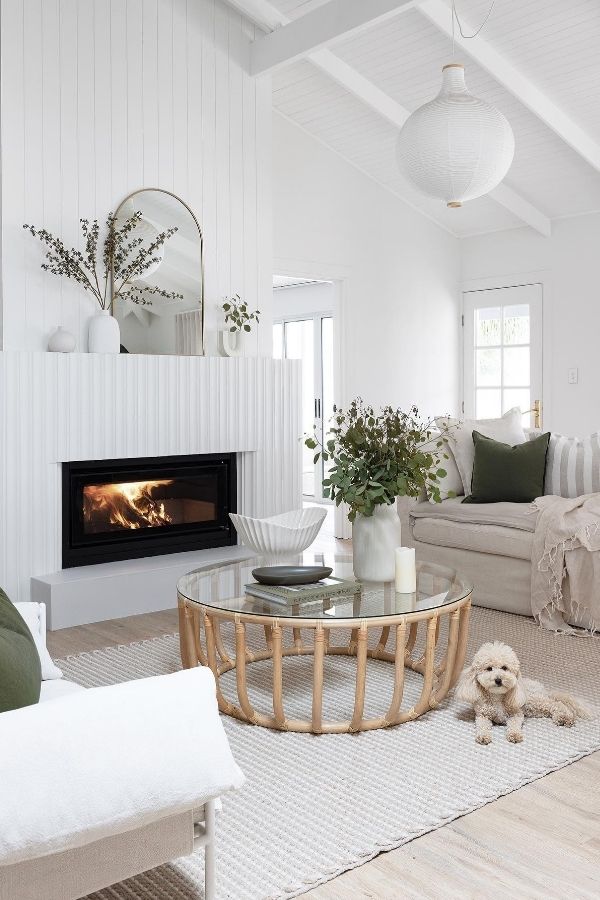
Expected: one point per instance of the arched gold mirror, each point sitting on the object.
(160, 307)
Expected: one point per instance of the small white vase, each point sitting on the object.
(231, 343)
(104, 335)
(374, 540)
(62, 341)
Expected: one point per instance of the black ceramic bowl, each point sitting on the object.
(291, 574)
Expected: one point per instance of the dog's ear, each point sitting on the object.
(468, 688)
(517, 698)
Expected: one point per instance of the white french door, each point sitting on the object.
(310, 339)
(503, 352)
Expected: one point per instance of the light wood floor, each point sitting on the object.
(542, 841)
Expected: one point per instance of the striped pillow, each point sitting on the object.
(573, 466)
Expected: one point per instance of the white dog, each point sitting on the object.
(500, 696)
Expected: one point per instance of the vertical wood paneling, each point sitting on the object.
(104, 97)
(181, 405)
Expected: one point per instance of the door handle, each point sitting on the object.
(319, 407)
(536, 409)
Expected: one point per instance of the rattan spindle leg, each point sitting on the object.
(428, 673)
(196, 620)
(317, 703)
(277, 676)
(186, 638)
(268, 638)
(361, 677)
(463, 637)
(211, 649)
(297, 640)
(412, 637)
(240, 670)
(393, 711)
(220, 645)
(385, 634)
(444, 687)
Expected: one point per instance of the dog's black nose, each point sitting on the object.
(499, 682)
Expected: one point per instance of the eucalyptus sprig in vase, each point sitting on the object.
(238, 322)
(374, 457)
(109, 269)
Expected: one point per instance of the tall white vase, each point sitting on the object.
(374, 540)
(104, 335)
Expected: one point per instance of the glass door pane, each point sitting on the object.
(299, 343)
(503, 351)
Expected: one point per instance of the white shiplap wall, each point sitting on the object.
(56, 408)
(105, 96)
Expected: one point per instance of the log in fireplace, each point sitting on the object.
(126, 508)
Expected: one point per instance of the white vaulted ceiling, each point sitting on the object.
(552, 44)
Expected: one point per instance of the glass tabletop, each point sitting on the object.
(222, 587)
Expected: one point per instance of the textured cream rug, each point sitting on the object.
(314, 806)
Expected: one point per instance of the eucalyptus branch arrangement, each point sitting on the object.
(107, 269)
(378, 456)
(237, 315)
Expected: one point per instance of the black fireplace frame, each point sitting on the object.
(77, 550)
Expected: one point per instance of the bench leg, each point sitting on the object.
(210, 869)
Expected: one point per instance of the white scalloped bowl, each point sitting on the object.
(290, 532)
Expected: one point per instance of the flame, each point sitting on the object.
(128, 504)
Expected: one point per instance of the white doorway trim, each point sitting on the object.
(515, 279)
(303, 268)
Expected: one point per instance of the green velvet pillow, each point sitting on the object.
(20, 669)
(502, 472)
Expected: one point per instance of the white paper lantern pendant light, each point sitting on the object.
(456, 147)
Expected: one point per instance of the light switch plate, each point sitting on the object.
(573, 376)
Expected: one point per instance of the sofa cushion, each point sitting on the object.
(521, 516)
(573, 466)
(20, 669)
(508, 429)
(496, 539)
(451, 484)
(502, 472)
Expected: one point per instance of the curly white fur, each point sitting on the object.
(494, 687)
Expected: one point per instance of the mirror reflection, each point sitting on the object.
(163, 312)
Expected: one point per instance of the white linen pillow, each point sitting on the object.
(508, 430)
(451, 484)
(573, 466)
(34, 615)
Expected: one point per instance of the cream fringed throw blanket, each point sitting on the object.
(567, 536)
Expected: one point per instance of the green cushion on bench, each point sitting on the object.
(20, 669)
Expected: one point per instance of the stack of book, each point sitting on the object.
(286, 595)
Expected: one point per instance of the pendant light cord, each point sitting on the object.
(467, 37)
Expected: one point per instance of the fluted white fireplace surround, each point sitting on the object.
(56, 408)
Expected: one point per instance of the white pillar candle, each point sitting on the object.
(406, 570)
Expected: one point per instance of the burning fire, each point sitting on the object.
(128, 504)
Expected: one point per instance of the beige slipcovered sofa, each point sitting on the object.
(489, 543)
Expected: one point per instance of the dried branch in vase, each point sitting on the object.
(110, 271)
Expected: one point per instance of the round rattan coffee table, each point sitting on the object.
(339, 626)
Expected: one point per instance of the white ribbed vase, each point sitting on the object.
(374, 541)
(456, 147)
(104, 335)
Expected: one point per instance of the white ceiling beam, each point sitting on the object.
(522, 209)
(261, 12)
(381, 102)
(336, 19)
(503, 71)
